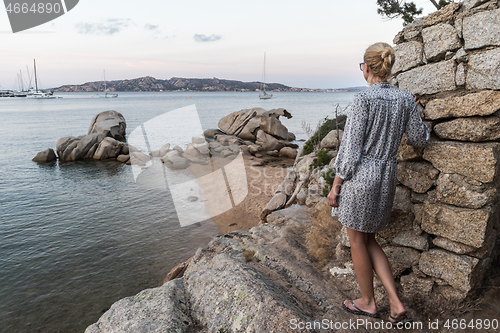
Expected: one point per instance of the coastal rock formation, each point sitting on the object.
(47, 155)
(109, 123)
(442, 235)
(244, 123)
(256, 131)
(100, 142)
(261, 280)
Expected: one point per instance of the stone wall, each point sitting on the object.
(445, 219)
(446, 205)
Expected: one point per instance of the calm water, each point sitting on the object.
(76, 237)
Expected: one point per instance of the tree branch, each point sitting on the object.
(435, 4)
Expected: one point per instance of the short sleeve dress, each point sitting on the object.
(366, 159)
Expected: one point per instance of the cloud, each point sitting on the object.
(153, 28)
(205, 38)
(108, 27)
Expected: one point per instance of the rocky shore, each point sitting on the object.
(442, 239)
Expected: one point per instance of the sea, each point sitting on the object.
(76, 237)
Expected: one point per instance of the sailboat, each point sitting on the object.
(264, 94)
(106, 94)
(38, 93)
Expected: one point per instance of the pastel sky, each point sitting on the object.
(313, 44)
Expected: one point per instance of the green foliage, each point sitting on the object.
(329, 176)
(407, 10)
(322, 159)
(443, 3)
(222, 330)
(323, 130)
(398, 8)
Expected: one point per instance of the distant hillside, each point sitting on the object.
(149, 83)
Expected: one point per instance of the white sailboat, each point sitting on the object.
(106, 93)
(38, 93)
(264, 94)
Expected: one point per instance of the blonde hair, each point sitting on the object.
(380, 57)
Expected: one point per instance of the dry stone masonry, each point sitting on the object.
(451, 59)
(443, 233)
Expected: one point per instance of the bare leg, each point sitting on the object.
(383, 269)
(364, 270)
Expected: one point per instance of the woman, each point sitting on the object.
(366, 169)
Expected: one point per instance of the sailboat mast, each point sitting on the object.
(264, 74)
(36, 82)
(21, 80)
(104, 74)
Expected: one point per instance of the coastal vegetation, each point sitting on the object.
(407, 10)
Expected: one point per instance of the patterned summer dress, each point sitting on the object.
(367, 154)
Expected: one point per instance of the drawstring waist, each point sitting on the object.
(392, 159)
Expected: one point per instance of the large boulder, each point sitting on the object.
(87, 145)
(65, 146)
(174, 160)
(244, 123)
(108, 148)
(162, 309)
(47, 155)
(268, 142)
(332, 139)
(109, 123)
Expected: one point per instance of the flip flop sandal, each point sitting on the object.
(359, 311)
(404, 320)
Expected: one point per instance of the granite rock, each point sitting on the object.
(469, 4)
(444, 14)
(410, 239)
(419, 176)
(331, 140)
(482, 29)
(47, 155)
(408, 152)
(401, 258)
(439, 39)
(459, 271)
(477, 161)
(109, 124)
(429, 79)
(483, 103)
(454, 190)
(408, 56)
(108, 148)
(464, 225)
(162, 309)
(474, 129)
(484, 70)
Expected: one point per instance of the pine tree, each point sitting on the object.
(407, 10)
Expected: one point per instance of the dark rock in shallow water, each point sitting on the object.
(47, 155)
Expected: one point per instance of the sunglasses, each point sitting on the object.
(362, 66)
